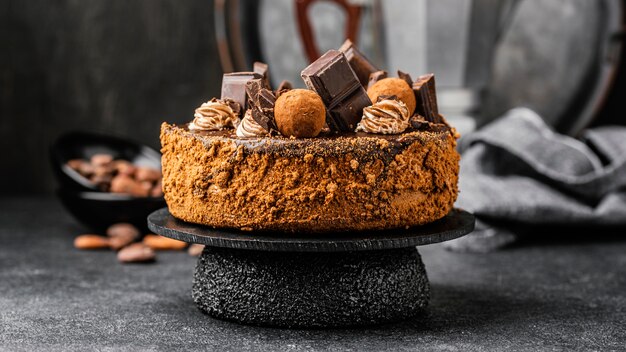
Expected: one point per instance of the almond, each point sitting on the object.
(122, 229)
(136, 253)
(161, 243)
(126, 184)
(101, 159)
(157, 190)
(124, 167)
(90, 241)
(75, 164)
(85, 169)
(195, 250)
(103, 170)
(117, 243)
(147, 174)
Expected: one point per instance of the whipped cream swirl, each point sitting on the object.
(387, 116)
(214, 115)
(249, 127)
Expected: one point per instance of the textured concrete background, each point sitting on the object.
(542, 296)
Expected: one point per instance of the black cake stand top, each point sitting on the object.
(456, 224)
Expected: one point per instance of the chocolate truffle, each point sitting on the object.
(393, 86)
(300, 113)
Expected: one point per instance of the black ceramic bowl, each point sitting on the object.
(85, 201)
(83, 145)
(99, 210)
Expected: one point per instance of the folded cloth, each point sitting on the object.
(517, 170)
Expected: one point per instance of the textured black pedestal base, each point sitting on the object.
(311, 281)
(308, 290)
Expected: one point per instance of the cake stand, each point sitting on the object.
(311, 280)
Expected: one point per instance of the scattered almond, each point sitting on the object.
(161, 243)
(75, 164)
(101, 159)
(85, 169)
(157, 190)
(102, 181)
(146, 186)
(195, 249)
(103, 170)
(147, 174)
(126, 184)
(124, 167)
(90, 241)
(122, 229)
(136, 253)
(119, 176)
(117, 243)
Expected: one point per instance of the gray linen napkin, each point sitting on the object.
(517, 170)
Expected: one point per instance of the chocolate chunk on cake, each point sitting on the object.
(262, 69)
(331, 77)
(234, 86)
(426, 98)
(360, 64)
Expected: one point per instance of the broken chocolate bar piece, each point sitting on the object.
(265, 105)
(263, 70)
(418, 123)
(347, 112)
(331, 77)
(406, 77)
(426, 98)
(261, 102)
(264, 120)
(375, 77)
(284, 85)
(234, 106)
(361, 66)
(234, 86)
(253, 87)
(265, 101)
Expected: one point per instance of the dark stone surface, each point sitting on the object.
(307, 290)
(457, 223)
(562, 293)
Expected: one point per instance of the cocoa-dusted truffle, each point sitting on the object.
(300, 113)
(393, 86)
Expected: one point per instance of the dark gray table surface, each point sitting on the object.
(564, 293)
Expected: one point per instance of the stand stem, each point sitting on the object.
(304, 290)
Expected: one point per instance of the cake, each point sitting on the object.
(374, 166)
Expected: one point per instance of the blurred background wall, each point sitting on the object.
(118, 67)
(123, 67)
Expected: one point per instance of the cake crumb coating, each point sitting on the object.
(326, 184)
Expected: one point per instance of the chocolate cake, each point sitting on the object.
(267, 162)
(334, 183)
